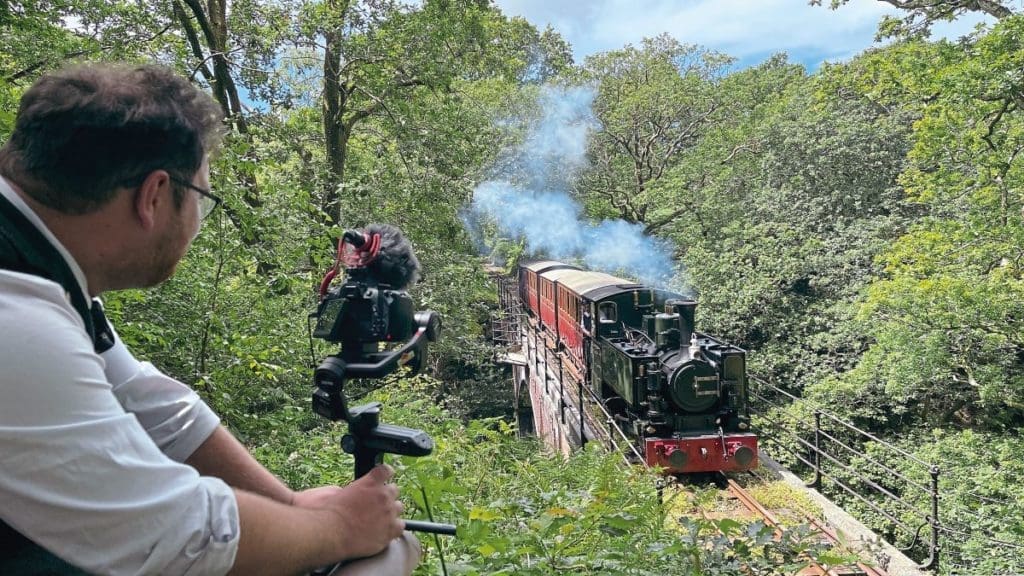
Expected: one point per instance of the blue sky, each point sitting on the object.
(749, 30)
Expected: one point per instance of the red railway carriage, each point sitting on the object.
(681, 394)
(577, 293)
(529, 278)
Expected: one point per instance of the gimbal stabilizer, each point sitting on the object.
(367, 439)
(370, 309)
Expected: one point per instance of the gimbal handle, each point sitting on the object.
(329, 377)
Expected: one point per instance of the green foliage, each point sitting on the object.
(779, 495)
(946, 316)
(653, 103)
(795, 195)
(981, 499)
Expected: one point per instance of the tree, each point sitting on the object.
(946, 316)
(377, 55)
(798, 194)
(653, 103)
(922, 14)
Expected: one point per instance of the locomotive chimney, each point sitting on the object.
(686, 310)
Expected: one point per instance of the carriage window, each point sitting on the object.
(608, 313)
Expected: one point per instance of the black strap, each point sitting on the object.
(23, 248)
(20, 556)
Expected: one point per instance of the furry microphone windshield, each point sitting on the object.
(395, 264)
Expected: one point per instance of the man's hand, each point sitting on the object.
(368, 510)
(320, 526)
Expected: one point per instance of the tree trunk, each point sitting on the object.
(335, 134)
(213, 25)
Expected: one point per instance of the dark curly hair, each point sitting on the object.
(85, 131)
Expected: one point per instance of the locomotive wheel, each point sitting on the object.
(615, 405)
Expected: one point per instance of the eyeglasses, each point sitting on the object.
(207, 201)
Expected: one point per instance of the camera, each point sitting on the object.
(369, 312)
(371, 306)
(361, 311)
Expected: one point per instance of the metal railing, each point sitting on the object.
(833, 450)
(508, 318)
(828, 445)
(539, 355)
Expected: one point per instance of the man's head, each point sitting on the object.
(108, 154)
(84, 132)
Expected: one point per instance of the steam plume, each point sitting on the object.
(529, 198)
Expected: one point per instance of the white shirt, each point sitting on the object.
(91, 446)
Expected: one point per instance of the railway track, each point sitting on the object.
(814, 568)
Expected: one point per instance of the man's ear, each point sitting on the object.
(152, 195)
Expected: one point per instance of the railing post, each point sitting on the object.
(587, 375)
(817, 451)
(561, 387)
(611, 433)
(933, 546)
(537, 352)
(583, 437)
(546, 391)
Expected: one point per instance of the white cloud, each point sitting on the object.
(747, 29)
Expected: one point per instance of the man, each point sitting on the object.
(106, 464)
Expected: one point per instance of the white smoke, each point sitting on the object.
(529, 199)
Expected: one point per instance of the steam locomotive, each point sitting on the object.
(681, 394)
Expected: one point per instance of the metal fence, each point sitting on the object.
(507, 319)
(834, 451)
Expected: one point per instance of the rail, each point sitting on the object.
(814, 567)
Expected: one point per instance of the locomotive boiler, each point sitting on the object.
(681, 394)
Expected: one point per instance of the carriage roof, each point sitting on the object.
(590, 285)
(542, 265)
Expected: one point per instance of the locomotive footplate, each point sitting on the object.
(706, 453)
